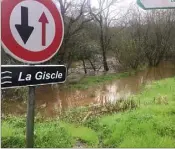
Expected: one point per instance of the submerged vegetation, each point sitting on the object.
(83, 84)
(90, 81)
(148, 123)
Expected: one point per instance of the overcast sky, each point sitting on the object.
(123, 3)
(121, 7)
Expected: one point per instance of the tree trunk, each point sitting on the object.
(93, 66)
(105, 64)
(69, 61)
(103, 48)
(84, 66)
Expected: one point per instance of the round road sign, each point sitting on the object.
(32, 30)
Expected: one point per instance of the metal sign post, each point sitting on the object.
(13, 76)
(32, 32)
(30, 118)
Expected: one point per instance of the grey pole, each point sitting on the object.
(30, 117)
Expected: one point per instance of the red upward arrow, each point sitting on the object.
(43, 20)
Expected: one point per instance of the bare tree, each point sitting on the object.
(157, 37)
(75, 15)
(103, 17)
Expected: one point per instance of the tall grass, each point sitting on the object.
(151, 124)
(52, 133)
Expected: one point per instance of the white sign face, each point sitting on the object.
(43, 32)
(32, 30)
(153, 4)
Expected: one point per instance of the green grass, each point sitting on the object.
(90, 81)
(84, 134)
(152, 124)
(52, 133)
(136, 129)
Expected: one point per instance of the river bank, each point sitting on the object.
(149, 124)
(89, 91)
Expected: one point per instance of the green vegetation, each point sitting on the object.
(48, 134)
(151, 124)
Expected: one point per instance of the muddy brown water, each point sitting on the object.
(50, 101)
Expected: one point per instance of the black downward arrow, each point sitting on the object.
(24, 29)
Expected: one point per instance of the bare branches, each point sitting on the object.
(103, 18)
(75, 14)
(64, 5)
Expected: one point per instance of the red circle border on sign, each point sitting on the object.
(17, 51)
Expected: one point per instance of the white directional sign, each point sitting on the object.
(32, 30)
(156, 4)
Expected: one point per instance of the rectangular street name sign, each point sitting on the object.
(25, 75)
(156, 4)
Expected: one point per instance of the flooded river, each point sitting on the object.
(51, 101)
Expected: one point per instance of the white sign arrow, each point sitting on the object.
(156, 4)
